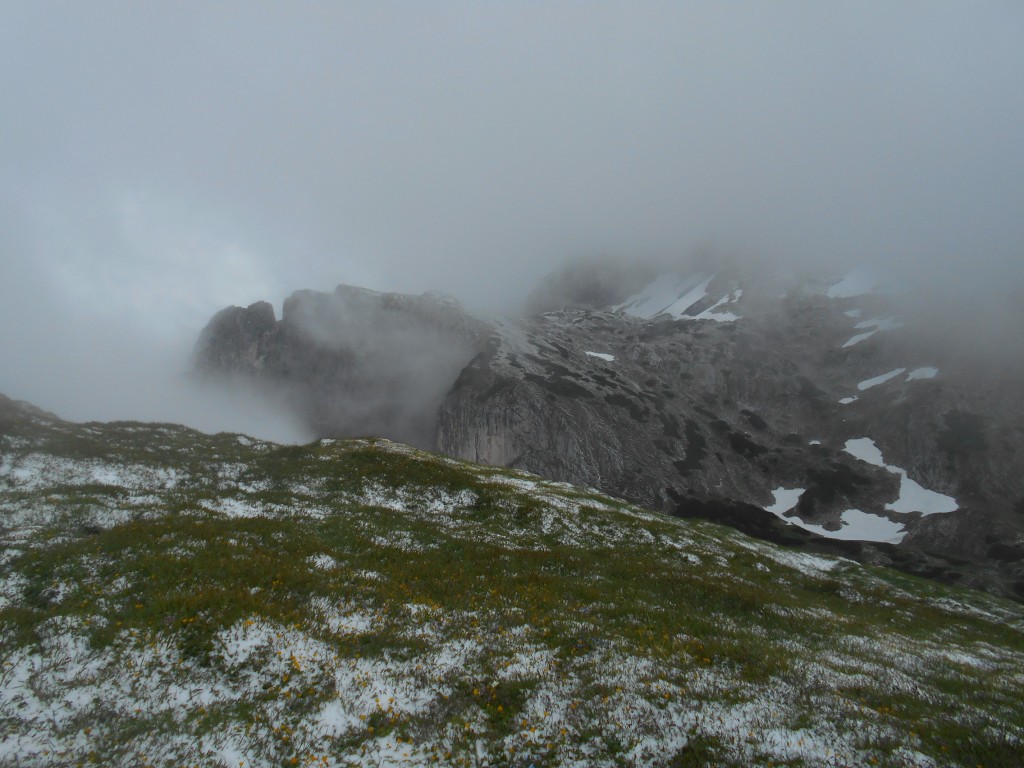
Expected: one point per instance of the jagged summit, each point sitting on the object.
(710, 392)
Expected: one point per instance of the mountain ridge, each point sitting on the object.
(708, 387)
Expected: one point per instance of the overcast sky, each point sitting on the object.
(161, 160)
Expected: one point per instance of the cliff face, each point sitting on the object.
(807, 418)
(352, 362)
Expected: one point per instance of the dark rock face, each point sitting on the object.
(704, 412)
(236, 340)
(354, 362)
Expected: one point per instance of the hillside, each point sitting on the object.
(174, 598)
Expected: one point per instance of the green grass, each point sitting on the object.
(589, 629)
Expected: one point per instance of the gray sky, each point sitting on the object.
(161, 160)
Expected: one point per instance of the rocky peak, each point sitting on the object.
(351, 362)
(234, 339)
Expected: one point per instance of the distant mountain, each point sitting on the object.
(812, 412)
(173, 598)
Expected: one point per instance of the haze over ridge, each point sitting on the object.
(160, 163)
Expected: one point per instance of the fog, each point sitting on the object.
(161, 161)
(369, 368)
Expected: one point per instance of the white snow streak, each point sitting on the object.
(875, 324)
(869, 383)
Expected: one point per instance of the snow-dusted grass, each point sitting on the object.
(363, 603)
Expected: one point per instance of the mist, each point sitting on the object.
(160, 162)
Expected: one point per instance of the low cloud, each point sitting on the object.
(158, 163)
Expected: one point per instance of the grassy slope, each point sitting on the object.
(173, 598)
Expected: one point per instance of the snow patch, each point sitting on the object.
(663, 292)
(875, 325)
(863, 526)
(806, 563)
(864, 448)
(234, 507)
(856, 525)
(923, 373)
(913, 497)
(869, 383)
(721, 317)
(602, 356)
(880, 323)
(785, 500)
(679, 307)
(675, 296)
(322, 561)
(856, 283)
(859, 338)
